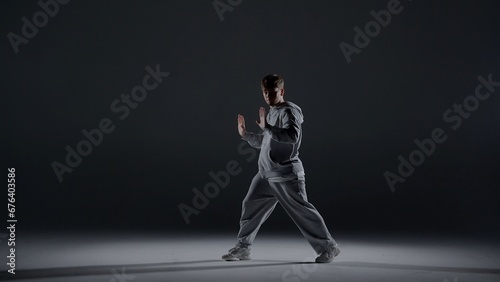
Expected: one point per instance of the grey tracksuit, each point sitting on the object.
(281, 179)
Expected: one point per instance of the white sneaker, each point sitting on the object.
(237, 253)
(327, 256)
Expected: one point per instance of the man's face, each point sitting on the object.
(273, 96)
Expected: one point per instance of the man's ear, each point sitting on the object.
(282, 91)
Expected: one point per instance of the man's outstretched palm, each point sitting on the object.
(262, 118)
(261, 122)
(241, 125)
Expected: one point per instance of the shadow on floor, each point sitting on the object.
(121, 272)
(419, 267)
(127, 269)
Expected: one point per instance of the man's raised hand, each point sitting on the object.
(241, 125)
(262, 118)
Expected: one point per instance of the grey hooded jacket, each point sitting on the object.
(279, 142)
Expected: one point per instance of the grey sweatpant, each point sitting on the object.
(261, 199)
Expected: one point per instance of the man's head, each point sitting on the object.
(273, 89)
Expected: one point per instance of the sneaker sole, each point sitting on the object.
(235, 258)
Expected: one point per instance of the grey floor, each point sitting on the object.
(125, 256)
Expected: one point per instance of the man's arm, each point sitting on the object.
(255, 140)
(290, 131)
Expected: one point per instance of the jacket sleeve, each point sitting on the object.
(290, 131)
(254, 139)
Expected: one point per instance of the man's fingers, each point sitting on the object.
(241, 119)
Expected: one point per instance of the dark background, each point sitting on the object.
(358, 117)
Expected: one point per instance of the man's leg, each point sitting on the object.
(292, 196)
(258, 204)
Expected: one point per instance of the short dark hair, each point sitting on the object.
(272, 81)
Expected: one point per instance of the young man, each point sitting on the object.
(281, 176)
